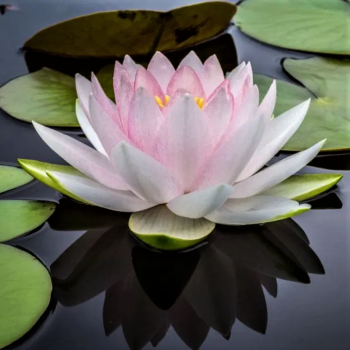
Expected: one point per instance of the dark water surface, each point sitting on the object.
(112, 293)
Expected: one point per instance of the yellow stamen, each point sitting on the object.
(167, 98)
(159, 101)
(200, 102)
(161, 104)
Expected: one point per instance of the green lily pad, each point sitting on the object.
(133, 32)
(307, 25)
(302, 187)
(25, 293)
(46, 96)
(38, 170)
(327, 83)
(12, 177)
(18, 217)
(162, 229)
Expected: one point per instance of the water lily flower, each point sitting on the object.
(188, 138)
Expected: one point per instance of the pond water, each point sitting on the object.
(112, 293)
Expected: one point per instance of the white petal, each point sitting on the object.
(211, 75)
(106, 128)
(256, 210)
(275, 173)
(278, 131)
(200, 203)
(88, 130)
(97, 194)
(236, 72)
(84, 90)
(147, 178)
(193, 61)
(131, 67)
(84, 158)
(268, 103)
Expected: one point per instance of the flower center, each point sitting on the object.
(162, 104)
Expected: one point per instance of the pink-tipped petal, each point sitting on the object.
(187, 79)
(87, 128)
(218, 112)
(107, 130)
(108, 106)
(277, 132)
(193, 61)
(99, 195)
(233, 76)
(200, 203)
(268, 103)
(183, 140)
(211, 75)
(84, 158)
(131, 67)
(145, 118)
(124, 91)
(162, 69)
(83, 87)
(232, 154)
(276, 173)
(146, 177)
(241, 83)
(146, 80)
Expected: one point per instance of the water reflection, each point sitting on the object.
(147, 292)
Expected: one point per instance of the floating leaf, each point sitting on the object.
(327, 83)
(25, 292)
(160, 228)
(38, 170)
(21, 216)
(302, 187)
(133, 32)
(12, 177)
(312, 25)
(46, 96)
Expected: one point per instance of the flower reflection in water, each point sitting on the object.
(147, 292)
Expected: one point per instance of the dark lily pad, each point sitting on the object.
(312, 25)
(25, 292)
(133, 32)
(12, 177)
(46, 96)
(327, 83)
(18, 217)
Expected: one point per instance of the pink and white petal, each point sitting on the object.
(278, 131)
(211, 75)
(183, 140)
(275, 173)
(109, 106)
(82, 157)
(241, 84)
(200, 203)
(268, 103)
(233, 76)
(187, 79)
(87, 128)
(235, 149)
(193, 61)
(226, 85)
(84, 89)
(256, 210)
(124, 91)
(146, 177)
(106, 128)
(162, 69)
(218, 112)
(145, 118)
(131, 67)
(146, 80)
(99, 195)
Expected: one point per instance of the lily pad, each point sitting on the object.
(327, 83)
(25, 292)
(162, 229)
(133, 32)
(302, 187)
(38, 170)
(12, 177)
(18, 217)
(46, 96)
(312, 25)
